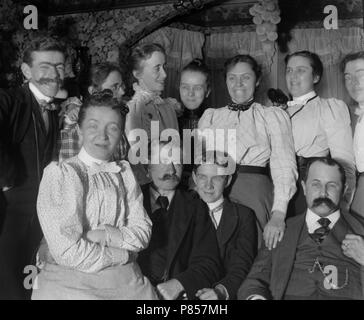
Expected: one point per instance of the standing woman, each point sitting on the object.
(148, 64)
(321, 127)
(92, 216)
(353, 69)
(263, 135)
(194, 88)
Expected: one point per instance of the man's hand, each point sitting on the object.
(274, 230)
(207, 294)
(97, 236)
(170, 290)
(353, 247)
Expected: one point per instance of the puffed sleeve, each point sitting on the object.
(134, 231)
(283, 159)
(61, 210)
(206, 119)
(335, 119)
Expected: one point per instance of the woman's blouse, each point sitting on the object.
(322, 126)
(263, 135)
(146, 107)
(79, 195)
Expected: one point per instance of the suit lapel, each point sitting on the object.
(227, 226)
(36, 110)
(182, 214)
(146, 198)
(285, 255)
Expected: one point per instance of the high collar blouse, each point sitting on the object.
(263, 135)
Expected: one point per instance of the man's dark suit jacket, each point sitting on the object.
(25, 149)
(238, 242)
(271, 270)
(193, 253)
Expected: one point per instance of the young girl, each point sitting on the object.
(194, 89)
(102, 76)
(92, 216)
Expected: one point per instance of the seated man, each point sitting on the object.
(315, 259)
(183, 254)
(235, 225)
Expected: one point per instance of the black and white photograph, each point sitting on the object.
(205, 150)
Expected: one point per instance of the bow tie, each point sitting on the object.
(240, 106)
(104, 167)
(44, 105)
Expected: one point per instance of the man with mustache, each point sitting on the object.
(314, 260)
(28, 135)
(183, 254)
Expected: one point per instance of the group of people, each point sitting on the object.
(100, 226)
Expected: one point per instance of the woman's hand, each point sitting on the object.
(97, 236)
(274, 230)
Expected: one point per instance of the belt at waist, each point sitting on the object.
(253, 169)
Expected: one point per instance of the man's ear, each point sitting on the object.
(91, 90)
(303, 187)
(25, 68)
(346, 186)
(194, 178)
(230, 177)
(207, 93)
(257, 83)
(136, 74)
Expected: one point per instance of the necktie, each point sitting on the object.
(320, 233)
(44, 105)
(212, 214)
(44, 108)
(104, 167)
(240, 106)
(163, 202)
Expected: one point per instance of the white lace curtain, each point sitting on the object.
(182, 46)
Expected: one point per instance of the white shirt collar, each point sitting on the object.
(213, 205)
(303, 99)
(312, 218)
(87, 159)
(38, 95)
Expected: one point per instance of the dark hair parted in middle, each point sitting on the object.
(197, 65)
(103, 98)
(314, 59)
(143, 52)
(329, 162)
(100, 71)
(245, 58)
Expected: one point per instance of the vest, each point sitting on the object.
(308, 281)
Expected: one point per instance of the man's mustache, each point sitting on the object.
(170, 177)
(45, 81)
(322, 200)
